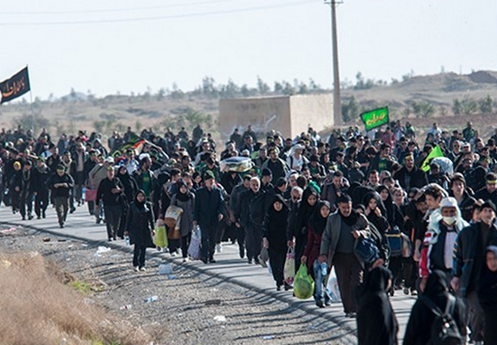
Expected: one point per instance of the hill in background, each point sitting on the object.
(455, 98)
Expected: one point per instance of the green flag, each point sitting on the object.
(436, 152)
(375, 118)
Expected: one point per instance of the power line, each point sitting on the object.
(175, 16)
(116, 9)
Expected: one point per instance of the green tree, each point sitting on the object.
(262, 87)
(350, 110)
(486, 105)
(423, 109)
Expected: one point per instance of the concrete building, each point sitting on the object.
(290, 115)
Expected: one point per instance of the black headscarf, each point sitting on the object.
(182, 196)
(487, 284)
(376, 322)
(139, 204)
(437, 288)
(317, 222)
(306, 210)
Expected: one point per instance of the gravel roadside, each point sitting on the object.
(191, 307)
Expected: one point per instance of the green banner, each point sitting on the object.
(375, 118)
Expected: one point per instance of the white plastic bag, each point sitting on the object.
(194, 247)
(332, 287)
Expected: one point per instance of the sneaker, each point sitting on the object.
(136, 269)
(414, 293)
(219, 248)
(320, 304)
(143, 269)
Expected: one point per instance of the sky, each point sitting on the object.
(110, 46)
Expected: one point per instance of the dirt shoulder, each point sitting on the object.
(191, 307)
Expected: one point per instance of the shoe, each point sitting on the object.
(136, 269)
(143, 269)
(414, 293)
(23, 218)
(185, 259)
(406, 291)
(72, 210)
(212, 261)
(39, 217)
(61, 225)
(257, 262)
(44, 215)
(320, 304)
(98, 220)
(30, 217)
(278, 287)
(173, 254)
(115, 238)
(250, 261)
(219, 248)
(327, 303)
(204, 260)
(351, 315)
(288, 286)
(110, 239)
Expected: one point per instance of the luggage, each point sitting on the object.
(394, 237)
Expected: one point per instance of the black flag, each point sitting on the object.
(15, 87)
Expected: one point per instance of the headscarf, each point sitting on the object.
(374, 195)
(139, 204)
(182, 196)
(317, 222)
(306, 210)
(437, 288)
(487, 284)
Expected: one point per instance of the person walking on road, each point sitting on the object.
(487, 295)
(436, 294)
(469, 258)
(110, 191)
(274, 237)
(342, 230)
(207, 214)
(61, 183)
(139, 228)
(185, 200)
(376, 321)
(41, 174)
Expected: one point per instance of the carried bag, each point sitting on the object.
(406, 246)
(332, 287)
(263, 257)
(160, 236)
(394, 237)
(289, 269)
(194, 247)
(303, 286)
(172, 216)
(91, 194)
(366, 249)
(444, 330)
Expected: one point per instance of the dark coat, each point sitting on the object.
(208, 205)
(376, 321)
(418, 178)
(60, 191)
(418, 331)
(274, 226)
(465, 252)
(140, 223)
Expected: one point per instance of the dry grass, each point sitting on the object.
(37, 308)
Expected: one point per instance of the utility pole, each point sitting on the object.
(337, 104)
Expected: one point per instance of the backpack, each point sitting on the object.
(394, 237)
(444, 330)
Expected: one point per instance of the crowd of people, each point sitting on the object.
(371, 206)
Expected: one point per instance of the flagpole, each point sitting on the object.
(31, 106)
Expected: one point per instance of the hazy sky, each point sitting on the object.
(102, 47)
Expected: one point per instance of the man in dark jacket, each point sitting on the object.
(110, 190)
(41, 174)
(233, 204)
(61, 184)
(409, 176)
(26, 201)
(207, 214)
(469, 256)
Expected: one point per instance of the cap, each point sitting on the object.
(491, 178)
(488, 204)
(208, 175)
(109, 160)
(448, 202)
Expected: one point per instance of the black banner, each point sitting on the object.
(15, 87)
